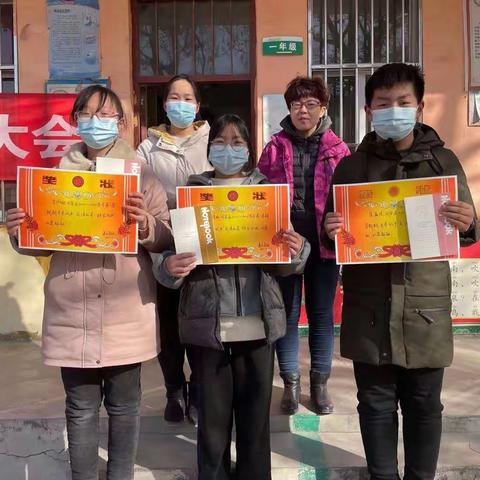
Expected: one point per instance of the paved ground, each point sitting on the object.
(304, 447)
(28, 379)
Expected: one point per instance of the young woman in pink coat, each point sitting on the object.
(99, 320)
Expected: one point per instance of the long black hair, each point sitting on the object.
(230, 119)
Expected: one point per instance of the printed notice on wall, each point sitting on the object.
(73, 39)
(474, 41)
(465, 289)
(274, 111)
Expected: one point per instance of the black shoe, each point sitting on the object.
(192, 411)
(175, 408)
(321, 402)
(291, 393)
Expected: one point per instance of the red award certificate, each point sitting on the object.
(75, 211)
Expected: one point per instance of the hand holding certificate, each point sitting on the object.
(394, 221)
(234, 224)
(78, 211)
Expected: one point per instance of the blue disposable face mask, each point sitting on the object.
(98, 133)
(395, 122)
(227, 160)
(181, 114)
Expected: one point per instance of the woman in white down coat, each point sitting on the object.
(175, 151)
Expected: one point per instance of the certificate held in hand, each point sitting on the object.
(76, 211)
(395, 221)
(232, 224)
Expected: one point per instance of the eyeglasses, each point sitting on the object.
(237, 147)
(103, 117)
(310, 105)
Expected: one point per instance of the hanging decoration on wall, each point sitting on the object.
(73, 27)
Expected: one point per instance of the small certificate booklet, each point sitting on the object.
(430, 235)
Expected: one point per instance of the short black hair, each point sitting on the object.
(174, 79)
(303, 87)
(105, 94)
(393, 74)
(230, 119)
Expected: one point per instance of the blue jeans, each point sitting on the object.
(119, 388)
(320, 282)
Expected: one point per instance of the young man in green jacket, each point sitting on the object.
(396, 321)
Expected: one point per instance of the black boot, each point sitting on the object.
(175, 408)
(291, 393)
(321, 401)
(192, 404)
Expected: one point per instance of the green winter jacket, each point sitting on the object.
(399, 313)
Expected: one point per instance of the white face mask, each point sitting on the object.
(395, 122)
(228, 160)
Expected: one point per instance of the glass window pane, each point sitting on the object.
(8, 81)
(317, 34)
(333, 82)
(349, 106)
(6, 39)
(395, 32)
(203, 37)
(10, 195)
(363, 124)
(348, 29)
(364, 31)
(333, 31)
(380, 31)
(147, 39)
(412, 11)
(222, 37)
(241, 36)
(184, 31)
(165, 23)
(10, 191)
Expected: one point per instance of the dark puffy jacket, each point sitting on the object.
(211, 291)
(399, 313)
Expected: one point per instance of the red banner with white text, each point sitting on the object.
(35, 130)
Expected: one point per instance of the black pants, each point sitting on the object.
(380, 388)
(85, 388)
(234, 384)
(172, 354)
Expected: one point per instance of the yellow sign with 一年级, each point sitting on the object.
(233, 224)
(75, 211)
(375, 219)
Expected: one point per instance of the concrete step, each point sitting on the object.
(295, 424)
(308, 422)
(318, 450)
(36, 450)
(306, 473)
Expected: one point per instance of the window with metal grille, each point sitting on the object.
(201, 38)
(8, 84)
(7, 48)
(349, 40)
(8, 192)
